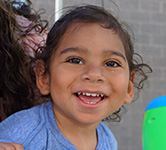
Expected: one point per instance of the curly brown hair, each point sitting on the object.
(17, 86)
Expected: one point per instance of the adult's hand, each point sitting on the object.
(10, 146)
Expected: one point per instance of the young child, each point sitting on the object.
(88, 70)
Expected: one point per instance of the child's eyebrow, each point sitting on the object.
(114, 52)
(73, 49)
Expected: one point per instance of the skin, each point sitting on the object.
(89, 59)
(33, 40)
(10, 146)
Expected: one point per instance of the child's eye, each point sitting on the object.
(112, 64)
(75, 60)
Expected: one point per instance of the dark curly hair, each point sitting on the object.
(17, 87)
(95, 14)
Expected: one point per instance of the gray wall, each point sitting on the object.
(48, 6)
(148, 20)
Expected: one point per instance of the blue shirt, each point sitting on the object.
(36, 129)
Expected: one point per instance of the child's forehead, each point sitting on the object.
(90, 34)
(78, 27)
(75, 27)
(89, 30)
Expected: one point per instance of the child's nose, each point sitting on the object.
(93, 74)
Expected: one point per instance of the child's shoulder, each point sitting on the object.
(105, 129)
(106, 139)
(23, 124)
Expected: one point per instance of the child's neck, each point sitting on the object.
(84, 137)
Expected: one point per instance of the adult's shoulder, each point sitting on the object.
(23, 124)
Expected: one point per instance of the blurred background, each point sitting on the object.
(148, 21)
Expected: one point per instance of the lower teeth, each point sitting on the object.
(90, 102)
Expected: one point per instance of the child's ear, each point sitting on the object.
(42, 78)
(130, 93)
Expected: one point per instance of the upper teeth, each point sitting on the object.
(91, 94)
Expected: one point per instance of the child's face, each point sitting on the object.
(89, 75)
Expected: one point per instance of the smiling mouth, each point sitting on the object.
(90, 98)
